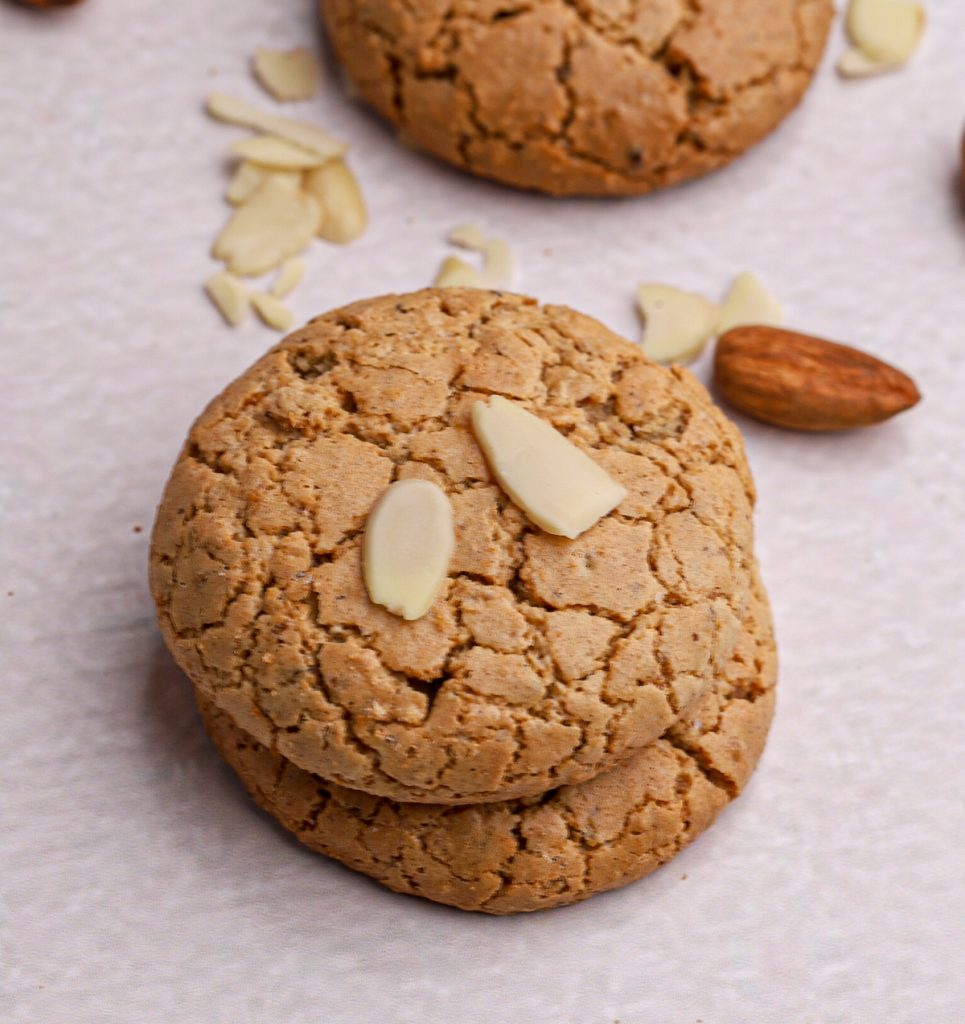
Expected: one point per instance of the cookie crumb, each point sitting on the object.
(138, 529)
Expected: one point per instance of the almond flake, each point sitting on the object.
(276, 222)
(559, 487)
(234, 111)
(468, 236)
(334, 186)
(248, 177)
(409, 540)
(272, 311)
(498, 264)
(886, 31)
(289, 277)
(230, 297)
(287, 74)
(456, 273)
(678, 324)
(749, 303)
(276, 154)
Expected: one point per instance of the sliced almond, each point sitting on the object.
(677, 324)
(409, 540)
(276, 154)
(272, 311)
(289, 277)
(288, 75)
(230, 297)
(749, 302)
(345, 216)
(275, 223)
(559, 487)
(468, 236)
(234, 111)
(456, 273)
(887, 31)
(499, 265)
(249, 176)
(855, 63)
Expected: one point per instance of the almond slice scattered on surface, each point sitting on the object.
(289, 277)
(886, 30)
(344, 214)
(799, 382)
(276, 154)
(677, 323)
(288, 75)
(230, 297)
(498, 265)
(409, 541)
(276, 222)
(559, 487)
(468, 236)
(855, 63)
(749, 302)
(232, 110)
(248, 177)
(457, 273)
(272, 311)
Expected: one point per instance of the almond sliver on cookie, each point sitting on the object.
(677, 324)
(559, 487)
(275, 223)
(749, 304)
(409, 541)
(234, 111)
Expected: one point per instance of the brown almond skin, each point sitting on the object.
(799, 382)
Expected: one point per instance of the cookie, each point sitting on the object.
(502, 858)
(543, 661)
(581, 97)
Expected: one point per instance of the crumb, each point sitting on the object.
(9, 593)
(683, 878)
(138, 529)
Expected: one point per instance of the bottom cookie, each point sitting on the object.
(546, 851)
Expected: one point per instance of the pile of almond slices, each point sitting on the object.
(291, 185)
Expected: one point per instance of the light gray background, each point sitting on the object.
(139, 884)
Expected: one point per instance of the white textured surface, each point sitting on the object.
(138, 884)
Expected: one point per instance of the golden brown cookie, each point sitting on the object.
(544, 660)
(562, 847)
(581, 97)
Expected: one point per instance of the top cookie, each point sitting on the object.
(582, 97)
(544, 660)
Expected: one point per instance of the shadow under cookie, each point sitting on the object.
(547, 851)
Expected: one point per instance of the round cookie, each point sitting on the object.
(562, 847)
(543, 661)
(581, 97)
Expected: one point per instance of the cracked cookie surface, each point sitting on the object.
(581, 97)
(543, 661)
(559, 848)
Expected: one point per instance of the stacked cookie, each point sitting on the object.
(569, 713)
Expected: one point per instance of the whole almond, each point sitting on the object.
(799, 382)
